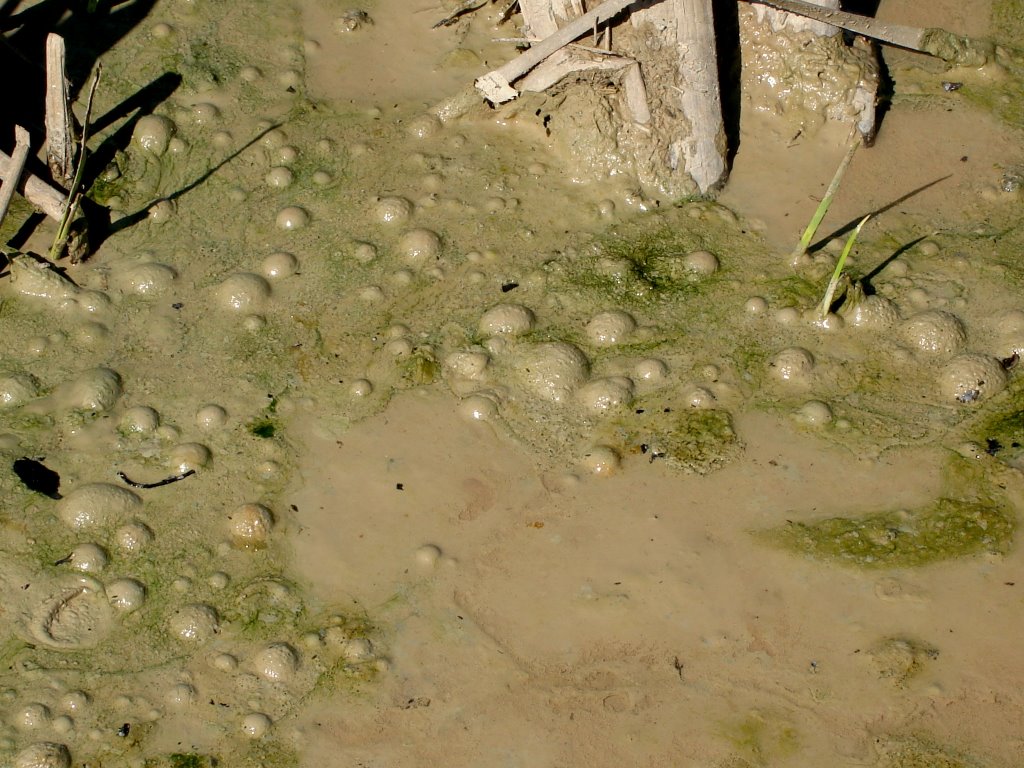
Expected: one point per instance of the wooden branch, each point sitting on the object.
(702, 152)
(60, 145)
(36, 191)
(496, 86)
(15, 166)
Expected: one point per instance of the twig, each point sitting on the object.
(36, 190)
(574, 46)
(158, 483)
(496, 86)
(15, 167)
(74, 195)
(468, 5)
(507, 11)
(60, 149)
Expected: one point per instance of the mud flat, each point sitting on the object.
(364, 438)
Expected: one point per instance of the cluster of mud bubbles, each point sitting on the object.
(279, 259)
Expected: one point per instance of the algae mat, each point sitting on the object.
(473, 462)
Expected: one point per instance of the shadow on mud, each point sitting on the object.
(849, 226)
(134, 218)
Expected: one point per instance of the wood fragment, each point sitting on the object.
(451, 18)
(60, 145)
(636, 94)
(507, 11)
(14, 167)
(496, 86)
(36, 190)
(702, 152)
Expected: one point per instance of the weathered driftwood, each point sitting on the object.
(60, 144)
(14, 168)
(953, 49)
(680, 150)
(496, 85)
(36, 191)
(699, 147)
(781, 19)
(703, 151)
(542, 18)
(573, 60)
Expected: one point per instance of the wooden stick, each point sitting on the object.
(35, 190)
(451, 18)
(496, 86)
(60, 146)
(702, 152)
(15, 166)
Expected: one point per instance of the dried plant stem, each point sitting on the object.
(74, 194)
(15, 167)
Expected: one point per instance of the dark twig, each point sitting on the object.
(158, 483)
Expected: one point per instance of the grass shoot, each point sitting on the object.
(830, 193)
(830, 292)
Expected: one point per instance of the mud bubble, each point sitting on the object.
(95, 505)
(934, 332)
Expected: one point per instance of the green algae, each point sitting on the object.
(641, 268)
(763, 737)
(1008, 18)
(947, 529)
(420, 368)
(1001, 432)
(182, 760)
(1004, 97)
(921, 752)
(695, 441)
(901, 659)
(264, 428)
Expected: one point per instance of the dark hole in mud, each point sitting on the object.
(37, 477)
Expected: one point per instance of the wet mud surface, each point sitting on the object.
(368, 439)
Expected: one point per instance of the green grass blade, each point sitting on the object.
(830, 292)
(830, 193)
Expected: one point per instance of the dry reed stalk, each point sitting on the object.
(60, 144)
(14, 168)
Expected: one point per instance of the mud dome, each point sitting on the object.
(370, 438)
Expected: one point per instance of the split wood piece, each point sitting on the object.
(702, 152)
(15, 166)
(780, 17)
(60, 145)
(543, 17)
(699, 147)
(36, 191)
(496, 86)
(567, 61)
